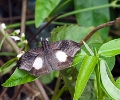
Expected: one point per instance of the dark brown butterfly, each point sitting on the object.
(57, 56)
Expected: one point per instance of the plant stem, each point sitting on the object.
(88, 9)
(56, 87)
(99, 90)
(62, 23)
(18, 24)
(10, 41)
(68, 14)
(1, 43)
(60, 93)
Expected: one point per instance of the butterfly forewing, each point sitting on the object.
(68, 46)
(26, 60)
(41, 71)
(63, 53)
(35, 62)
(59, 65)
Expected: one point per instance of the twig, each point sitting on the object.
(44, 27)
(48, 89)
(29, 88)
(4, 91)
(41, 89)
(100, 27)
(16, 18)
(17, 92)
(23, 18)
(117, 33)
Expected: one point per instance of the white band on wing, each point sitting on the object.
(38, 63)
(61, 56)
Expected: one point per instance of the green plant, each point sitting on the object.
(95, 60)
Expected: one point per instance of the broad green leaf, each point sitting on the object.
(110, 62)
(7, 65)
(110, 48)
(110, 88)
(93, 46)
(71, 32)
(78, 58)
(89, 90)
(62, 7)
(95, 38)
(86, 69)
(47, 78)
(18, 77)
(43, 8)
(7, 69)
(118, 83)
(92, 17)
(88, 49)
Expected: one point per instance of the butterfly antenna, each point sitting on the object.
(29, 41)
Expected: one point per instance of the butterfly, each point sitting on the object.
(50, 56)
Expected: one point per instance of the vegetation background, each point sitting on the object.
(94, 74)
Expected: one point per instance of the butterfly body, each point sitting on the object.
(55, 56)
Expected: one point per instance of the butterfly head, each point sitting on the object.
(45, 42)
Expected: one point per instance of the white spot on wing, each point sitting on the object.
(38, 63)
(61, 56)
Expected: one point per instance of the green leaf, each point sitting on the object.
(18, 77)
(110, 88)
(110, 62)
(47, 78)
(110, 48)
(77, 58)
(93, 17)
(8, 65)
(118, 83)
(86, 69)
(7, 69)
(93, 46)
(89, 90)
(43, 8)
(95, 38)
(71, 32)
(88, 49)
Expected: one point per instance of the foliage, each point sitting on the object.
(93, 62)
